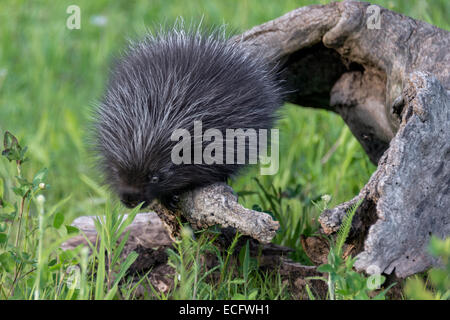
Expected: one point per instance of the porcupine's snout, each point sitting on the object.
(132, 197)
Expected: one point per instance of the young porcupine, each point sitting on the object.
(166, 82)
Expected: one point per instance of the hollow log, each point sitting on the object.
(390, 82)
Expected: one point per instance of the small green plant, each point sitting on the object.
(234, 276)
(108, 252)
(32, 264)
(438, 287)
(18, 258)
(343, 282)
(277, 203)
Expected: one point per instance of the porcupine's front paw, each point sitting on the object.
(171, 201)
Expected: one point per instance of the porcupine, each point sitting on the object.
(166, 81)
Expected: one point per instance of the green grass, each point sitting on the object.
(51, 76)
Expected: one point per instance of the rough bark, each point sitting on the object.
(407, 198)
(217, 205)
(334, 61)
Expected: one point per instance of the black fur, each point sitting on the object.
(165, 82)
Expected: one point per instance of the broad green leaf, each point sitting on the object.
(7, 261)
(72, 229)
(325, 268)
(12, 150)
(21, 191)
(40, 176)
(58, 220)
(253, 294)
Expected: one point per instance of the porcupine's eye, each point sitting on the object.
(154, 179)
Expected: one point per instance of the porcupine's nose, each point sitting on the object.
(131, 200)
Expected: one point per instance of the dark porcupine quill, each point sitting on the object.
(166, 82)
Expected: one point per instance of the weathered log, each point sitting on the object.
(407, 198)
(333, 59)
(390, 85)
